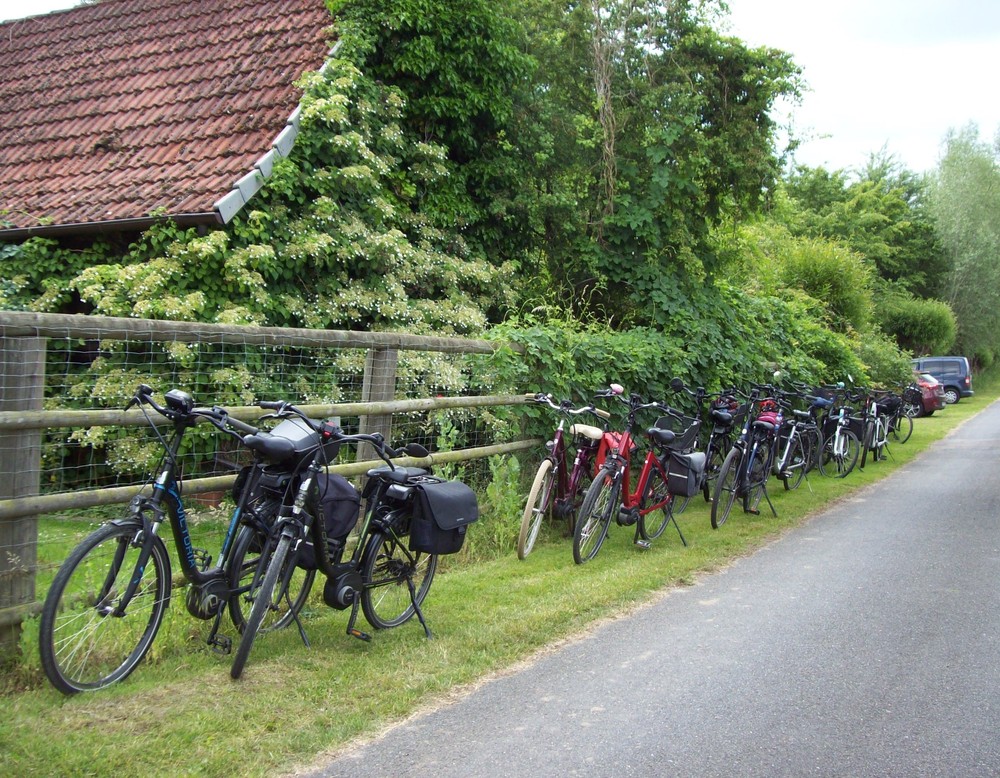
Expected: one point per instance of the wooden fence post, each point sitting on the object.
(22, 381)
(379, 386)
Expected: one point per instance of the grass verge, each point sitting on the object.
(180, 714)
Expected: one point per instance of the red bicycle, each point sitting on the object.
(650, 506)
(557, 488)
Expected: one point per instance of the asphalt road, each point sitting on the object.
(864, 643)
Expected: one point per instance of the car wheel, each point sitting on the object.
(913, 409)
(951, 395)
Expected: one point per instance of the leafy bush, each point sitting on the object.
(921, 326)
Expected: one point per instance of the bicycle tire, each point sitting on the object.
(714, 457)
(794, 468)
(652, 526)
(241, 568)
(866, 444)
(839, 456)
(599, 505)
(726, 488)
(385, 569)
(539, 505)
(902, 427)
(262, 603)
(758, 471)
(90, 656)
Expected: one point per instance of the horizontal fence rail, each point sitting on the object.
(65, 446)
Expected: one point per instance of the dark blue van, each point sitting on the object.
(953, 373)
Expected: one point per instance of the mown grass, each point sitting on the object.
(180, 714)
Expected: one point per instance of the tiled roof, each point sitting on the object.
(111, 111)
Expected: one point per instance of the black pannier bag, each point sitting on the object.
(442, 512)
(890, 404)
(339, 506)
(684, 473)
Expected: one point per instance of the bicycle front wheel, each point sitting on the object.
(263, 603)
(902, 427)
(393, 579)
(244, 564)
(726, 488)
(87, 639)
(537, 508)
(758, 471)
(599, 506)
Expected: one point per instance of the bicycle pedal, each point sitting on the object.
(221, 644)
(643, 544)
(754, 512)
(357, 633)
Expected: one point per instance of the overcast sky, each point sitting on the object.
(892, 73)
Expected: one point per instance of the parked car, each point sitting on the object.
(926, 397)
(953, 373)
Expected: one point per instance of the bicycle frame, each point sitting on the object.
(211, 590)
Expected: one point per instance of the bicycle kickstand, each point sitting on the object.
(416, 607)
(678, 527)
(770, 504)
(298, 621)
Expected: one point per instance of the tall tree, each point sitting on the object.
(964, 203)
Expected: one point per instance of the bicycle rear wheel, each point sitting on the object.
(653, 523)
(840, 454)
(387, 571)
(243, 565)
(599, 506)
(263, 603)
(902, 427)
(85, 643)
(538, 506)
(794, 466)
(726, 488)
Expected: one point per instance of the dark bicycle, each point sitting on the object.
(411, 517)
(108, 599)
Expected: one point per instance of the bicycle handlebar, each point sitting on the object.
(566, 406)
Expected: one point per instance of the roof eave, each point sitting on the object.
(111, 225)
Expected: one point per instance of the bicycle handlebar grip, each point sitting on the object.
(602, 413)
(242, 426)
(271, 405)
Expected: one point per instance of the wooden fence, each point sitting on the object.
(23, 422)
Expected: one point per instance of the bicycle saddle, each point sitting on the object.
(661, 437)
(273, 448)
(399, 475)
(587, 431)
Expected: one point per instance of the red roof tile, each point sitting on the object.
(110, 111)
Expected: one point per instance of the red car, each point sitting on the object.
(931, 397)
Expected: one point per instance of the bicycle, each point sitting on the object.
(749, 462)
(799, 442)
(841, 446)
(610, 492)
(556, 488)
(876, 429)
(410, 518)
(723, 414)
(108, 599)
(899, 421)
